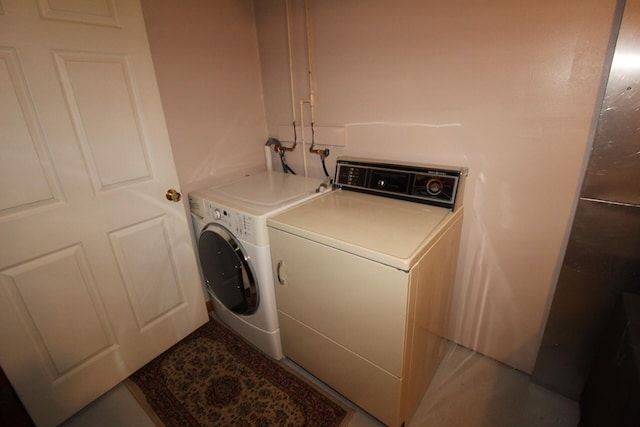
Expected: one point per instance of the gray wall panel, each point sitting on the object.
(602, 259)
(603, 250)
(613, 172)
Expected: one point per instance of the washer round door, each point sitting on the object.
(226, 269)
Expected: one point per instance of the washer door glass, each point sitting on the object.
(226, 269)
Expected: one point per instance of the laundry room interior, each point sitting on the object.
(509, 91)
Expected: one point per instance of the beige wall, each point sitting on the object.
(503, 88)
(205, 55)
(506, 88)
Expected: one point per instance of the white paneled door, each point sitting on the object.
(97, 270)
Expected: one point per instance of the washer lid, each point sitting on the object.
(264, 192)
(389, 231)
(268, 188)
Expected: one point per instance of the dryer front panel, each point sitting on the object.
(228, 274)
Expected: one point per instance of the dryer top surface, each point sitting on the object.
(393, 232)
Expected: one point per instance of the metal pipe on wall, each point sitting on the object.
(602, 257)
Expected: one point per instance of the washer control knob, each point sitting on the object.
(217, 215)
(381, 183)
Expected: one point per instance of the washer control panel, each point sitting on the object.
(435, 185)
(241, 225)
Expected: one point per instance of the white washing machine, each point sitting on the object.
(364, 275)
(233, 249)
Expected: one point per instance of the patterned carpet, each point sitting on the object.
(214, 378)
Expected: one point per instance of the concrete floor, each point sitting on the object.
(468, 390)
(473, 390)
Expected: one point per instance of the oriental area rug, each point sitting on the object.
(214, 378)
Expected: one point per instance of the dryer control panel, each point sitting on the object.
(434, 185)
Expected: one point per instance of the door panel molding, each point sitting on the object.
(23, 146)
(148, 268)
(41, 309)
(96, 12)
(100, 91)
